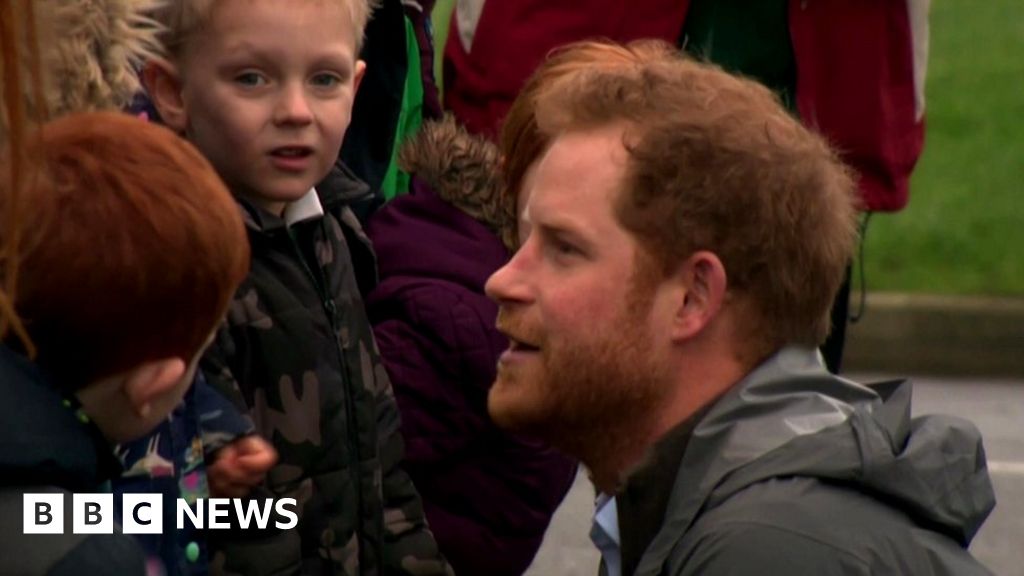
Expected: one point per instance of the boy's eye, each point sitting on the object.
(250, 79)
(326, 80)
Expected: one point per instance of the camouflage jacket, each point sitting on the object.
(298, 354)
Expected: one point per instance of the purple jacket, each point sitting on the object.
(488, 495)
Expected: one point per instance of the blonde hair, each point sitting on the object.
(181, 19)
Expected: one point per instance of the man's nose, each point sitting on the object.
(510, 283)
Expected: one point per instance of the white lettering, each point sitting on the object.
(281, 510)
(218, 509)
(196, 516)
(252, 509)
(142, 513)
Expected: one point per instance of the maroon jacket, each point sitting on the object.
(859, 70)
(488, 495)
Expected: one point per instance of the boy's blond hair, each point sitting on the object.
(182, 18)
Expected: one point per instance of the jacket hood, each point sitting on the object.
(447, 227)
(96, 47)
(419, 237)
(89, 53)
(790, 417)
(463, 170)
(42, 441)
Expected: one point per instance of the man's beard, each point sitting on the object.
(591, 396)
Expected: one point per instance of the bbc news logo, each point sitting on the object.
(143, 513)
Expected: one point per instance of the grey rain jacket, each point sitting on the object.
(796, 472)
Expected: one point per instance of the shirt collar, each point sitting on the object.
(605, 515)
(306, 208)
(641, 501)
(604, 533)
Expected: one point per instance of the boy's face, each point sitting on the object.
(267, 90)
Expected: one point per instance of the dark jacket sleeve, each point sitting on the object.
(217, 370)
(409, 546)
(220, 419)
(102, 555)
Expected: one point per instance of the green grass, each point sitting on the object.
(441, 17)
(963, 231)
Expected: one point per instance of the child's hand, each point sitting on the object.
(240, 466)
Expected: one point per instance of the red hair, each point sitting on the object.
(20, 60)
(715, 162)
(521, 141)
(133, 250)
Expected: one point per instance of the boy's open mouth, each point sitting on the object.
(291, 152)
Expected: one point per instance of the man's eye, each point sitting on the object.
(250, 79)
(563, 248)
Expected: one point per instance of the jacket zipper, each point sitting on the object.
(331, 310)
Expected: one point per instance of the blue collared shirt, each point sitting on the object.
(604, 533)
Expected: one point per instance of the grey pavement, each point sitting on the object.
(567, 550)
(996, 406)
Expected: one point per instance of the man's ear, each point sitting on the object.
(148, 382)
(704, 281)
(163, 84)
(357, 79)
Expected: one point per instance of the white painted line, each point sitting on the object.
(1006, 467)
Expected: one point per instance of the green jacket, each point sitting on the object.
(298, 354)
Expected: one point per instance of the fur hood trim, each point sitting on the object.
(95, 50)
(464, 171)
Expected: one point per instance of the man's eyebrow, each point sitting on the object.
(562, 231)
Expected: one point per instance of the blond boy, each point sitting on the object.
(264, 89)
